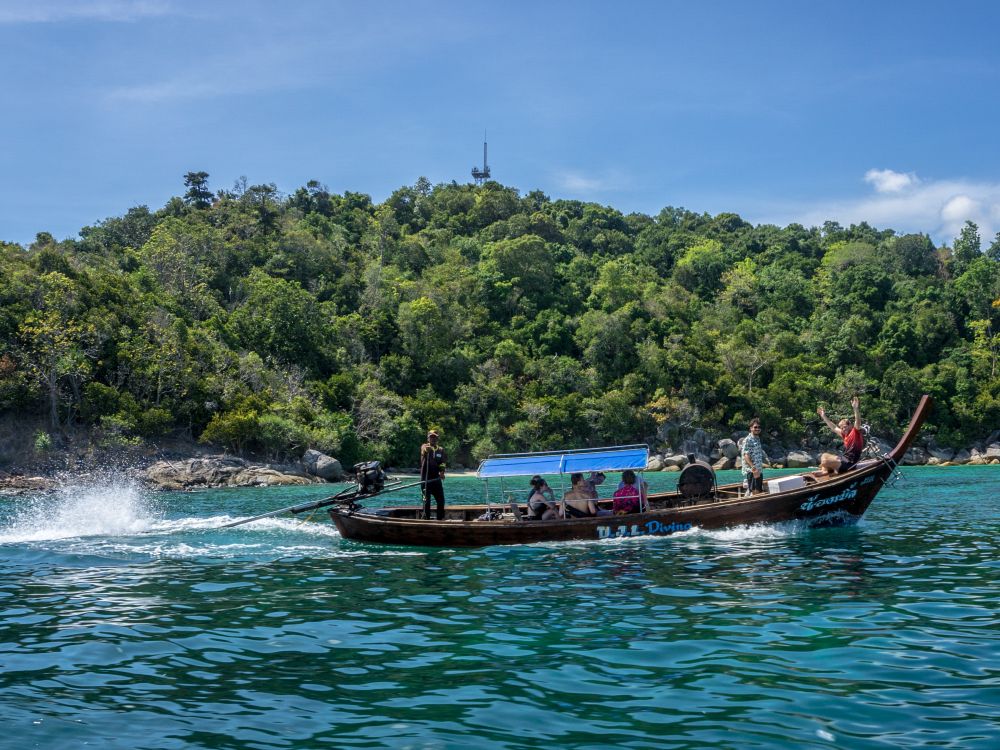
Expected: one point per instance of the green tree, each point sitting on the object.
(58, 343)
(701, 267)
(281, 319)
(966, 249)
(916, 254)
(198, 195)
(993, 252)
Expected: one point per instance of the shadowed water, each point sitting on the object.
(130, 620)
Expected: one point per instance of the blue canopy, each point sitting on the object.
(616, 458)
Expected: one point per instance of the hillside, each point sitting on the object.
(265, 324)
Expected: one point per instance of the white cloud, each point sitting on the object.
(939, 208)
(185, 88)
(960, 208)
(589, 184)
(56, 11)
(887, 181)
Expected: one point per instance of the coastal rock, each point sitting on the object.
(14, 484)
(322, 466)
(260, 476)
(992, 452)
(962, 457)
(777, 458)
(940, 454)
(724, 463)
(219, 471)
(800, 460)
(728, 448)
(676, 461)
(655, 463)
(915, 457)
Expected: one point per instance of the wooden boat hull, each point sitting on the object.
(840, 499)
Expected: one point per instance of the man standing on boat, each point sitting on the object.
(432, 463)
(753, 459)
(854, 442)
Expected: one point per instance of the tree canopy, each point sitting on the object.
(269, 323)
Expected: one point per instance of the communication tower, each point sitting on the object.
(481, 175)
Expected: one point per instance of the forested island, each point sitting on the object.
(266, 324)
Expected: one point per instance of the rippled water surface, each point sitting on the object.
(130, 620)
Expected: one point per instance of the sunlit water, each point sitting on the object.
(130, 620)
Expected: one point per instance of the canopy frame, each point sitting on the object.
(614, 458)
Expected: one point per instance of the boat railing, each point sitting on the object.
(874, 449)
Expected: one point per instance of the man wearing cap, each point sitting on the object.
(432, 463)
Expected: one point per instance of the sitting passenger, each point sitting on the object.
(641, 483)
(579, 501)
(541, 500)
(627, 496)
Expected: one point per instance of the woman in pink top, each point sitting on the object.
(627, 498)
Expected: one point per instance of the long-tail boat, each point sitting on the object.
(697, 503)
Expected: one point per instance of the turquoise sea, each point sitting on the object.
(129, 620)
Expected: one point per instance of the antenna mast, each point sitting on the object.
(481, 175)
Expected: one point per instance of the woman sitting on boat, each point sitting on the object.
(541, 500)
(626, 497)
(854, 442)
(578, 501)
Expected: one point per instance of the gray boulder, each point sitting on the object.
(801, 460)
(940, 454)
(962, 457)
(724, 463)
(915, 457)
(676, 461)
(728, 448)
(322, 466)
(218, 471)
(778, 457)
(655, 463)
(992, 452)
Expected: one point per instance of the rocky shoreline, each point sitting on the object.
(210, 471)
(203, 472)
(725, 454)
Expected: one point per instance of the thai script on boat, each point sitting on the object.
(816, 502)
(641, 529)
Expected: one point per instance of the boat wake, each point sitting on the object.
(113, 515)
(98, 506)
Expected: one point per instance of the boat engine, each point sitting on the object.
(697, 480)
(370, 477)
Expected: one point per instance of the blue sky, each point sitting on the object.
(779, 111)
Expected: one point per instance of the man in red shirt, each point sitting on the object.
(854, 441)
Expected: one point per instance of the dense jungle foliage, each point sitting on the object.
(267, 323)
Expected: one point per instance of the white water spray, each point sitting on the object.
(98, 505)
